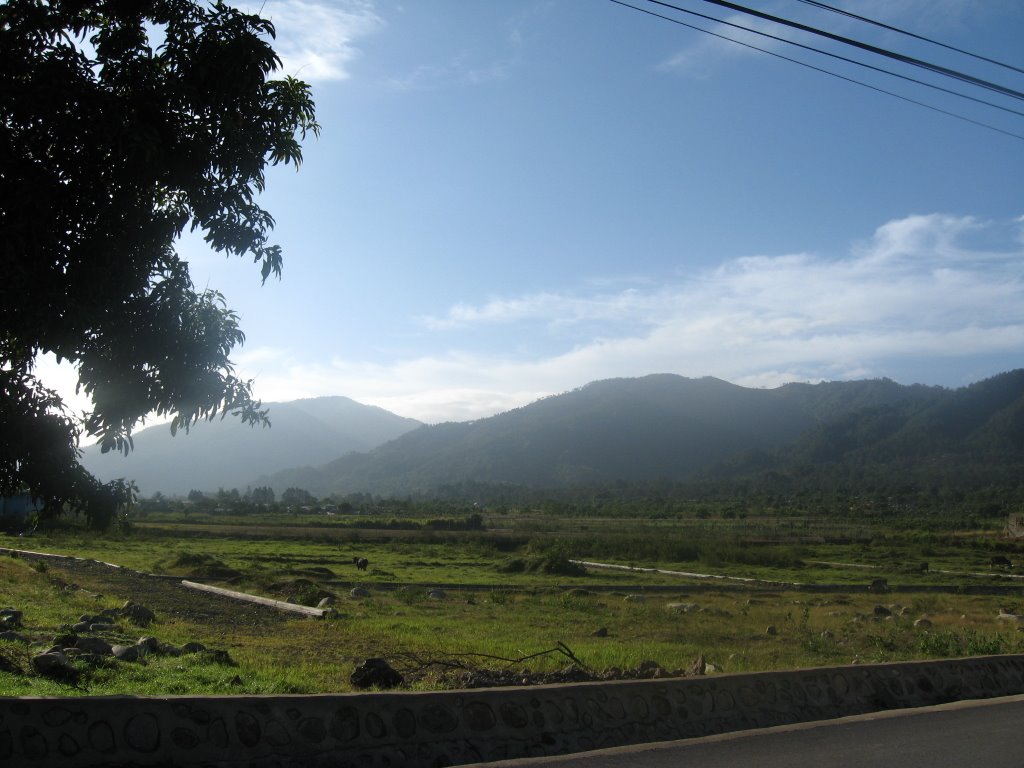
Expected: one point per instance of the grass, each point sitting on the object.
(530, 600)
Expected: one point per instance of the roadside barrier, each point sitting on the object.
(458, 727)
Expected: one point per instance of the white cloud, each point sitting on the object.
(316, 40)
(917, 293)
(914, 291)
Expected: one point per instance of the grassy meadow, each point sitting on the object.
(513, 596)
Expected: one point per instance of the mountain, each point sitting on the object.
(667, 427)
(228, 454)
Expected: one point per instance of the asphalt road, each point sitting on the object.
(979, 734)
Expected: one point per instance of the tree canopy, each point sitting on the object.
(123, 124)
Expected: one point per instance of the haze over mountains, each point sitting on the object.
(656, 428)
(228, 454)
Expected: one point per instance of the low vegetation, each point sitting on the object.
(509, 596)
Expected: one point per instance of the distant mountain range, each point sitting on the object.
(228, 454)
(656, 429)
(670, 428)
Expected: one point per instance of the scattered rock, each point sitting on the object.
(151, 644)
(95, 645)
(193, 647)
(359, 592)
(683, 607)
(878, 586)
(437, 594)
(600, 632)
(881, 610)
(56, 666)
(128, 652)
(923, 623)
(771, 630)
(700, 666)
(101, 628)
(11, 636)
(137, 614)
(376, 673)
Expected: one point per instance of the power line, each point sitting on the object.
(863, 46)
(866, 20)
(819, 69)
(822, 52)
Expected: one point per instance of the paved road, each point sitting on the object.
(986, 734)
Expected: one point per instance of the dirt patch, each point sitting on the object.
(164, 596)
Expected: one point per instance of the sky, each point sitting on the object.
(510, 199)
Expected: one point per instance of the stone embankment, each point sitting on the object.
(457, 727)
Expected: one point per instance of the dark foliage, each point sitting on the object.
(121, 126)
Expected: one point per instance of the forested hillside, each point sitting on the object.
(666, 428)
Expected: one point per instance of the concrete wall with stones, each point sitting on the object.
(454, 727)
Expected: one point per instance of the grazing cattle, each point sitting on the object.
(361, 563)
(998, 561)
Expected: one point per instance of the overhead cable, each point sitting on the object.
(820, 69)
(823, 52)
(938, 68)
(866, 20)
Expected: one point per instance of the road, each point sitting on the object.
(978, 734)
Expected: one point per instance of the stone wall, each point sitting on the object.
(455, 727)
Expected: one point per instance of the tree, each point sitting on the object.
(121, 125)
(297, 497)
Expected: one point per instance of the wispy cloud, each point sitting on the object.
(918, 289)
(316, 40)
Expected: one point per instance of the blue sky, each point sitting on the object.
(511, 199)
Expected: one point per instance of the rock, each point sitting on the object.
(437, 594)
(11, 636)
(650, 669)
(881, 610)
(634, 598)
(771, 630)
(923, 623)
(56, 666)
(359, 592)
(376, 673)
(193, 647)
(10, 618)
(878, 586)
(683, 607)
(102, 627)
(700, 666)
(128, 652)
(326, 602)
(94, 645)
(1004, 616)
(600, 632)
(826, 635)
(139, 615)
(151, 644)
(82, 626)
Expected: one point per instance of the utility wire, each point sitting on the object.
(863, 46)
(866, 20)
(836, 56)
(824, 71)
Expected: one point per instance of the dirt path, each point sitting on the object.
(164, 596)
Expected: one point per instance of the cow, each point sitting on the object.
(361, 563)
(998, 561)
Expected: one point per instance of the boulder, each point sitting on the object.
(437, 594)
(11, 636)
(376, 673)
(193, 647)
(881, 610)
(95, 645)
(771, 630)
(359, 592)
(128, 652)
(137, 614)
(923, 623)
(682, 607)
(56, 666)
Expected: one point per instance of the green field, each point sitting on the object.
(515, 602)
